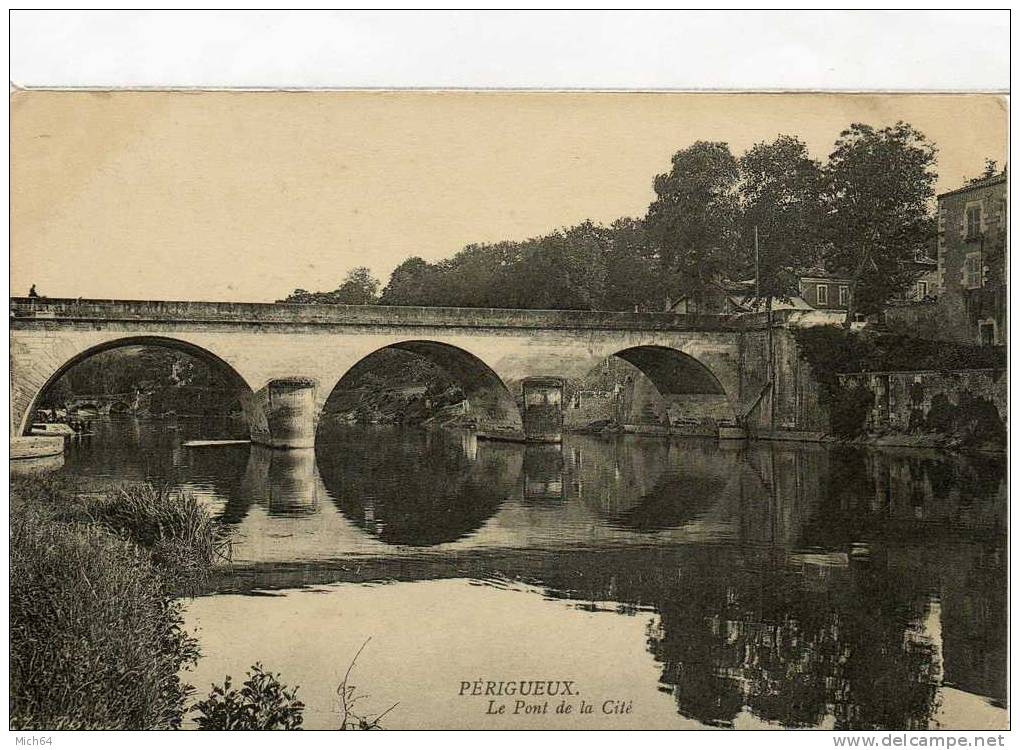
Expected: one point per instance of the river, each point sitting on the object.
(652, 583)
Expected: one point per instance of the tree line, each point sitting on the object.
(863, 214)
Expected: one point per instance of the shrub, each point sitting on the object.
(96, 637)
(263, 702)
(848, 413)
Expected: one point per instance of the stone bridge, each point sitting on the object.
(103, 403)
(286, 359)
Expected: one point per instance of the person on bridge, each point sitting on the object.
(32, 292)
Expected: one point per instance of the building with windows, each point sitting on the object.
(964, 298)
(972, 259)
(823, 290)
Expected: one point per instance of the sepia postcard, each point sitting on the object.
(508, 410)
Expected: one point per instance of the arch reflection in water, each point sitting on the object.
(647, 485)
(416, 488)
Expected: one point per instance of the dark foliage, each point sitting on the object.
(693, 220)
(779, 197)
(832, 350)
(877, 188)
(262, 703)
(359, 287)
(97, 638)
(974, 421)
(149, 379)
(848, 411)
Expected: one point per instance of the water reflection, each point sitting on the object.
(743, 632)
(420, 492)
(797, 584)
(543, 472)
(285, 483)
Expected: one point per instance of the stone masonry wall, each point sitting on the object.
(916, 401)
(791, 406)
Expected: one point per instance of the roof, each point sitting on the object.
(817, 272)
(794, 303)
(977, 185)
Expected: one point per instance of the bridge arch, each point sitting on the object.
(489, 400)
(682, 388)
(230, 376)
(672, 371)
(119, 407)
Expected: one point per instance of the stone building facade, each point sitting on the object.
(971, 279)
(972, 258)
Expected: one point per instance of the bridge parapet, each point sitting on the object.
(63, 309)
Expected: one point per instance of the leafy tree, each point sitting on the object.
(633, 277)
(359, 287)
(564, 270)
(411, 283)
(472, 277)
(779, 196)
(991, 170)
(877, 189)
(693, 219)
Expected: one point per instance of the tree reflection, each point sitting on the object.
(824, 618)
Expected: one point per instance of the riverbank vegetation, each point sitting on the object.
(97, 635)
(176, 530)
(96, 629)
(262, 703)
(96, 613)
(394, 387)
(145, 381)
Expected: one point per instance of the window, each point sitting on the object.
(823, 294)
(922, 289)
(844, 295)
(972, 271)
(973, 221)
(986, 332)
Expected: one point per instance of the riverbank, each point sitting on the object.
(96, 629)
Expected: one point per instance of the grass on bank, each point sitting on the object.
(177, 530)
(96, 621)
(97, 637)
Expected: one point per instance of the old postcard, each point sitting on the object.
(508, 410)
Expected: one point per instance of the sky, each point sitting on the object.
(245, 196)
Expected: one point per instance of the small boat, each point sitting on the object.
(210, 443)
(56, 429)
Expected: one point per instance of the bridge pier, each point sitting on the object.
(291, 413)
(543, 409)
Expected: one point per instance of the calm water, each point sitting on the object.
(676, 583)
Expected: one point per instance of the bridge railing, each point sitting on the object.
(43, 308)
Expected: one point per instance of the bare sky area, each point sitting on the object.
(246, 196)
